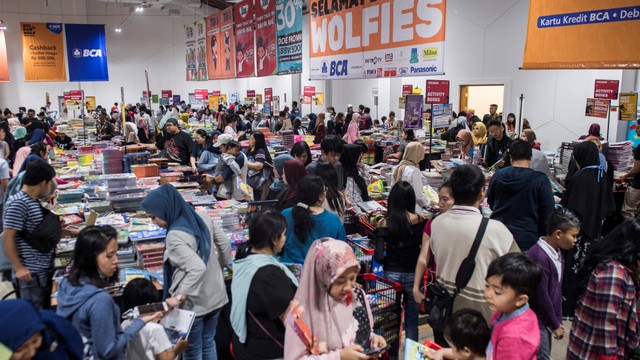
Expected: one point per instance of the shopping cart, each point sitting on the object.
(385, 300)
(363, 248)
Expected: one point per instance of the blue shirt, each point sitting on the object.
(325, 224)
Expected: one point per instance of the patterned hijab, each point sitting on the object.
(330, 321)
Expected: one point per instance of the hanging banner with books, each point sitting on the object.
(266, 37)
(227, 45)
(214, 58)
(386, 38)
(586, 34)
(413, 113)
(190, 52)
(201, 50)
(87, 52)
(289, 36)
(628, 107)
(4, 63)
(43, 52)
(245, 54)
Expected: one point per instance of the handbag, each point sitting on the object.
(257, 180)
(46, 234)
(440, 301)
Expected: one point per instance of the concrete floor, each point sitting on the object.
(558, 347)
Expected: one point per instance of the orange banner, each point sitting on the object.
(214, 58)
(43, 52)
(4, 62)
(582, 34)
(227, 44)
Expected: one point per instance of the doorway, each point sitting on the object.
(480, 97)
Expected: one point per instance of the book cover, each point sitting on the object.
(412, 349)
(177, 323)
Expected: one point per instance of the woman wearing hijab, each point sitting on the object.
(465, 140)
(131, 133)
(28, 149)
(292, 172)
(210, 156)
(320, 131)
(594, 130)
(589, 195)
(355, 185)
(278, 184)
(409, 170)
(353, 132)
(193, 278)
(479, 135)
(530, 137)
(330, 317)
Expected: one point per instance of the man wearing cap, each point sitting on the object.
(350, 109)
(232, 163)
(174, 144)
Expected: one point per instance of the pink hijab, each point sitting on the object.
(352, 130)
(330, 324)
(464, 136)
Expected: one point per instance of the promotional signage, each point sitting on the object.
(289, 35)
(606, 89)
(190, 52)
(73, 99)
(43, 52)
(251, 93)
(87, 52)
(166, 94)
(407, 89)
(176, 99)
(368, 39)
(585, 34)
(215, 93)
(437, 92)
(214, 59)
(413, 113)
(227, 45)
(628, 107)
(201, 50)
(597, 108)
(266, 37)
(441, 114)
(268, 93)
(4, 63)
(309, 90)
(146, 94)
(201, 94)
(245, 55)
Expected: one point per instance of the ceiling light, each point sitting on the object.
(140, 9)
(2, 25)
(118, 29)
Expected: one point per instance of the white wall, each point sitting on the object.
(481, 97)
(484, 45)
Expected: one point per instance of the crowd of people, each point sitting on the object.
(539, 258)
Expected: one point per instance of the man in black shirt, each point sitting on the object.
(496, 151)
(174, 144)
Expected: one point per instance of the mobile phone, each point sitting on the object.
(150, 308)
(376, 351)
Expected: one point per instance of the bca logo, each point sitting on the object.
(336, 68)
(77, 53)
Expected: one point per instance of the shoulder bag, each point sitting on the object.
(440, 302)
(46, 234)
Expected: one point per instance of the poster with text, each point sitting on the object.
(245, 54)
(585, 34)
(386, 38)
(4, 63)
(597, 108)
(266, 37)
(43, 52)
(201, 49)
(289, 36)
(87, 52)
(214, 58)
(441, 115)
(413, 112)
(628, 107)
(190, 52)
(227, 45)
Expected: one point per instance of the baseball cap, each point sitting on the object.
(349, 105)
(223, 139)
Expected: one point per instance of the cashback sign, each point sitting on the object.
(376, 38)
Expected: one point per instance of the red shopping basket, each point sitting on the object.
(385, 300)
(363, 249)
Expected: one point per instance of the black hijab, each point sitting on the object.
(588, 192)
(349, 160)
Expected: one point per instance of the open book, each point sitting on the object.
(412, 349)
(177, 323)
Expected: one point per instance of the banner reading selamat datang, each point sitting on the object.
(43, 52)
(376, 38)
(583, 34)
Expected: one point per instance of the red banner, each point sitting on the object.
(309, 90)
(166, 94)
(606, 89)
(227, 45)
(245, 54)
(146, 94)
(251, 93)
(214, 57)
(74, 95)
(266, 37)
(215, 93)
(407, 89)
(268, 94)
(437, 92)
(201, 94)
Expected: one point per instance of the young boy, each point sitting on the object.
(563, 228)
(467, 333)
(511, 281)
(227, 167)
